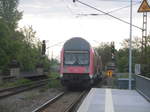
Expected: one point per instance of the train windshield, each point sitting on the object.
(76, 58)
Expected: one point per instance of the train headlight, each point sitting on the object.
(91, 76)
(61, 75)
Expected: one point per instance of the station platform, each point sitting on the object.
(114, 100)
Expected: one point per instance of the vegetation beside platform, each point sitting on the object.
(121, 56)
(18, 82)
(54, 80)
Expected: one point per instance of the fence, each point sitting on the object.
(143, 86)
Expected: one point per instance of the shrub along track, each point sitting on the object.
(15, 90)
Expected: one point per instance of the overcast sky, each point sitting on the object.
(59, 20)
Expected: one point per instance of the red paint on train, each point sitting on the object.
(73, 69)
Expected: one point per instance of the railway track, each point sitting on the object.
(15, 90)
(63, 102)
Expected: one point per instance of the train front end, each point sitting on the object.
(76, 67)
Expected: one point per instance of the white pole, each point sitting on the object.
(130, 47)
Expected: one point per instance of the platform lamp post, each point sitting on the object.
(130, 48)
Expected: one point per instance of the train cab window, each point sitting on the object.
(83, 59)
(76, 58)
(69, 59)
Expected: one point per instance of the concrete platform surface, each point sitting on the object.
(114, 100)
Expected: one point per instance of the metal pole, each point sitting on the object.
(130, 47)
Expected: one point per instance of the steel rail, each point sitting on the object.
(69, 107)
(48, 102)
(72, 106)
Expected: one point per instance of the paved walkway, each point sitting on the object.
(114, 100)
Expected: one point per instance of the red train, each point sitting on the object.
(80, 64)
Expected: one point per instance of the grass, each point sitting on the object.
(54, 84)
(54, 75)
(18, 82)
(54, 80)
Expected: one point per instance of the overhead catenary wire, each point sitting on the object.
(117, 1)
(118, 9)
(95, 14)
(57, 44)
(72, 12)
(107, 14)
(112, 11)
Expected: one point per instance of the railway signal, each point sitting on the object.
(43, 47)
(113, 51)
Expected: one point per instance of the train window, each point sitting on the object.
(70, 59)
(76, 58)
(83, 59)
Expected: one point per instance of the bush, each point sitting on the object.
(53, 75)
(18, 82)
(54, 83)
(22, 82)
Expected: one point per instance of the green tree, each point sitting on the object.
(123, 54)
(104, 50)
(21, 45)
(136, 43)
(54, 65)
(30, 53)
(122, 60)
(9, 12)
(4, 46)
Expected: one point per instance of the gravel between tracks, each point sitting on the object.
(28, 101)
(61, 104)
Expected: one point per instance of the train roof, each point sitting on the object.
(76, 43)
